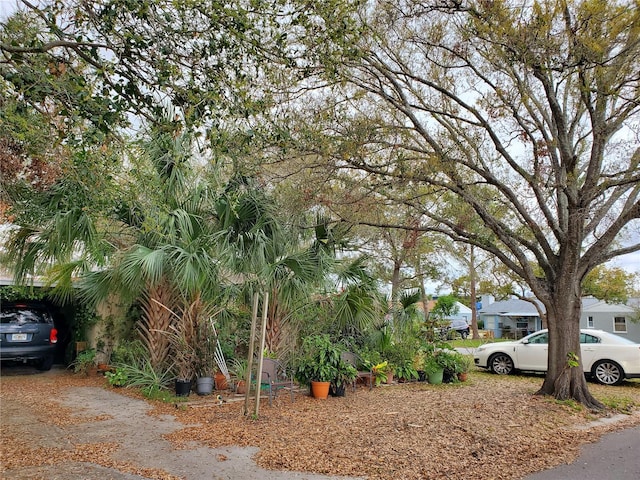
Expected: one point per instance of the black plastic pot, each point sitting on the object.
(337, 391)
(448, 376)
(183, 388)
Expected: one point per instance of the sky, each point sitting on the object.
(629, 262)
(6, 7)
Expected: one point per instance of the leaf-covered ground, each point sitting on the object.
(489, 427)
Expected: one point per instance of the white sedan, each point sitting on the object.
(606, 357)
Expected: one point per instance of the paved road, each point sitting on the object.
(615, 456)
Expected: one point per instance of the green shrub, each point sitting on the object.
(319, 360)
(85, 360)
(117, 378)
(144, 376)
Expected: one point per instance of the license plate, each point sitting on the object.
(18, 337)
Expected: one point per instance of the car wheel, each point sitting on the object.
(464, 334)
(501, 364)
(45, 363)
(608, 372)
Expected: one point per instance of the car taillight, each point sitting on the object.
(53, 336)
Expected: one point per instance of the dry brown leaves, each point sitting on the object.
(487, 428)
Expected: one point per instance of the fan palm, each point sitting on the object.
(359, 306)
(152, 239)
(172, 265)
(270, 256)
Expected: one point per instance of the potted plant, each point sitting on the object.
(318, 363)
(434, 371)
(465, 363)
(238, 369)
(184, 355)
(450, 362)
(391, 371)
(345, 374)
(380, 372)
(204, 384)
(205, 349)
(85, 362)
(400, 357)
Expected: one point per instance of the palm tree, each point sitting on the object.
(271, 255)
(358, 306)
(172, 266)
(153, 240)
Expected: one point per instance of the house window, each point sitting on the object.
(620, 325)
(590, 322)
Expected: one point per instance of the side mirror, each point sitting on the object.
(525, 341)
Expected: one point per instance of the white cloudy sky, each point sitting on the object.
(6, 7)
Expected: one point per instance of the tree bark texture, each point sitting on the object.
(156, 320)
(565, 382)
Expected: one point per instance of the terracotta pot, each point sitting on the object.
(241, 387)
(221, 381)
(320, 389)
(389, 378)
(463, 376)
(105, 367)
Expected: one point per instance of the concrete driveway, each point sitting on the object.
(124, 421)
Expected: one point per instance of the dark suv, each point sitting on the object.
(27, 334)
(453, 328)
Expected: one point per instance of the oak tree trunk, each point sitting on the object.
(564, 381)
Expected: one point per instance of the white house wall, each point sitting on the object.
(464, 313)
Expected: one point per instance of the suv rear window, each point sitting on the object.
(23, 316)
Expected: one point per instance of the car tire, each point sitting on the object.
(464, 334)
(607, 372)
(45, 363)
(501, 363)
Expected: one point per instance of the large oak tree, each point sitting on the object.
(527, 111)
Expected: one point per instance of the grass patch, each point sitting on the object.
(619, 404)
(571, 404)
(473, 342)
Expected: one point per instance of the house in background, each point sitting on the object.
(463, 313)
(620, 319)
(512, 318)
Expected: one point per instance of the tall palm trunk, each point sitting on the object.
(157, 319)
